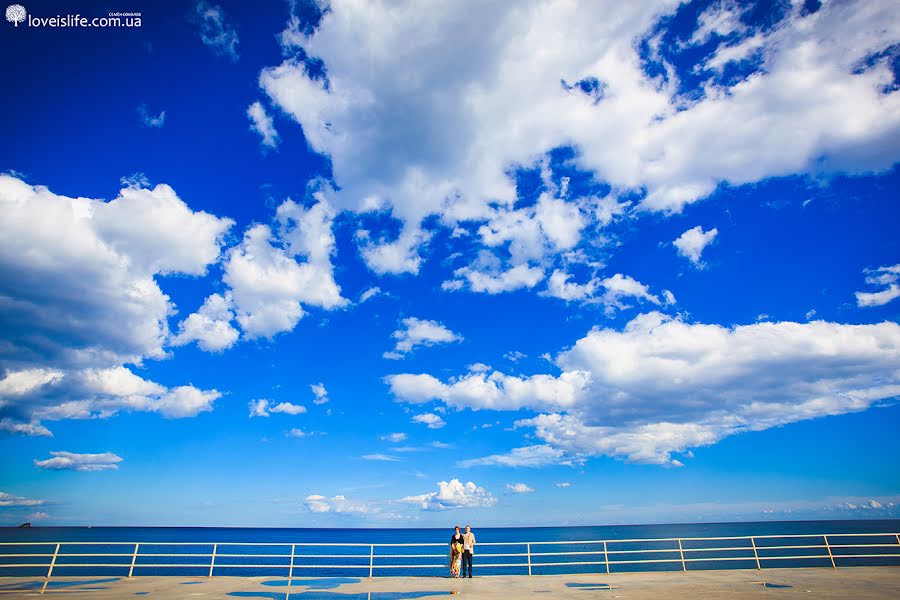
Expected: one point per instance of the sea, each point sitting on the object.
(200, 551)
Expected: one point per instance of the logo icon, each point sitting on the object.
(15, 14)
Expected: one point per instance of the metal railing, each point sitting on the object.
(592, 556)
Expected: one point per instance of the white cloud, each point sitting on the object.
(611, 292)
(496, 282)
(720, 18)
(101, 393)
(215, 30)
(288, 408)
(153, 122)
(338, 504)
(32, 428)
(298, 433)
(380, 457)
(396, 146)
(259, 408)
(528, 456)
(263, 408)
(72, 461)
(453, 494)
(419, 332)
(186, 401)
(495, 391)
(394, 438)
(268, 285)
(11, 500)
(620, 287)
(692, 242)
(519, 488)
(559, 286)
(512, 356)
(662, 385)
(83, 300)
(369, 294)
(884, 277)
(210, 326)
(261, 123)
(563, 484)
(321, 394)
(431, 420)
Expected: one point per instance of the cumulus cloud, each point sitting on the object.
(261, 123)
(11, 500)
(211, 326)
(72, 461)
(81, 300)
(320, 393)
(263, 408)
(419, 332)
(495, 391)
(519, 488)
(337, 504)
(395, 146)
(432, 420)
(453, 494)
(663, 386)
(98, 393)
(885, 278)
(268, 285)
(692, 242)
(215, 29)
(394, 438)
(614, 293)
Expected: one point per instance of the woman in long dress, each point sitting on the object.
(456, 549)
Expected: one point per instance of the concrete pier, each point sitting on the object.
(858, 583)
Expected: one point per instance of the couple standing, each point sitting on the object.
(462, 547)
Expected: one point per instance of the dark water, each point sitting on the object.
(353, 561)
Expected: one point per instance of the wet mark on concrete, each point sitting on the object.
(27, 586)
(776, 586)
(317, 595)
(321, 583)
(589, 586)
(191, 582)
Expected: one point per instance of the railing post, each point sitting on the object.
(50, 570)
(528, 551)
(212, 561)
(606, 557)
(755, 553)
(53, 562)
(371, 560)
(291, 569)
(830, 555)
(681, 551)
(133, 559)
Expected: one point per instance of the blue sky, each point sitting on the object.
(306, 264)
